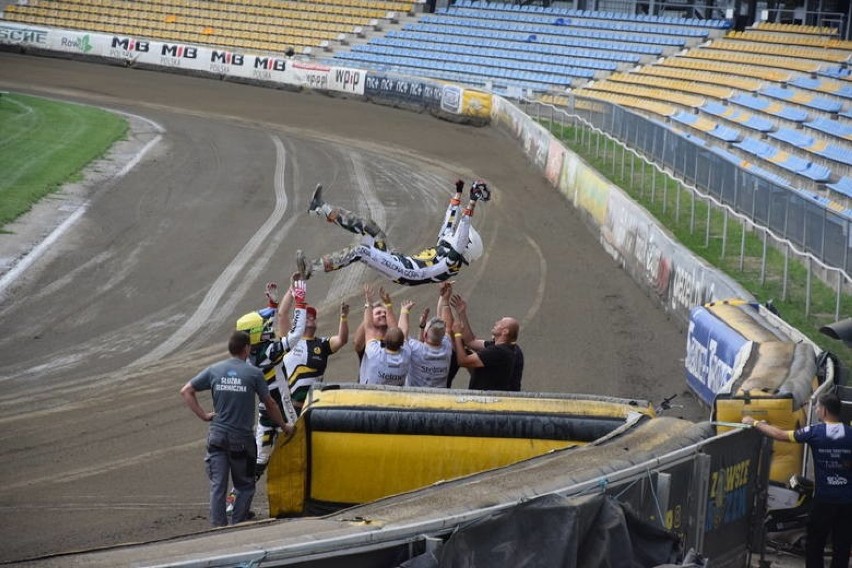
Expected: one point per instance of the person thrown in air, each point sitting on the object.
(458, 243)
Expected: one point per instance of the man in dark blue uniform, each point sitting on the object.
(831, 448)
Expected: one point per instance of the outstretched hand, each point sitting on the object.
(272, 294)
(424, 317)
(300, 293)
(458, 303)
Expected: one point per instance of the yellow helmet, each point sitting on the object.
(257, 326)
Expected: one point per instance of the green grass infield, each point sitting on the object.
(44, 144)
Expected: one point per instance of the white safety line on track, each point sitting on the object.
(28, 259)
(234, 271)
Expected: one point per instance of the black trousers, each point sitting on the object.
(836, 519)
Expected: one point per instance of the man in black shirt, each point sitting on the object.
(470, 341)
(491, 363)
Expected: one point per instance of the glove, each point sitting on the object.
(459, 186)
(300, 293)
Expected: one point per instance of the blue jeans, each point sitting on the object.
(236, 455)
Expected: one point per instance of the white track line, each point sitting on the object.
(28, 259)
(234, 271)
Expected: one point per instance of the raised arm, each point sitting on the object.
(463, 358)
(468, 336)
(424, 318)
(388, 302)
(403, 316)
(359, 342)
(285, 305)
(339, 340)
(300, 315)
(272, 302)
(367, 322)
(444, 311)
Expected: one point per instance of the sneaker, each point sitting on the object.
(316, 201)
(479, 191)
(303, 265)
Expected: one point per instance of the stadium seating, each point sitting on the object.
(687, 61)
(765, 105)
(654, 107)
(801, 98)
(783, 159)
(842, 186)
(828, 86)
(782, 50)
(690, 87)
(835, 71)
(704, 76)
(833, 127)
(739, 116)
(267, 25)
(706, 125)
(780, 62)
(796, 38)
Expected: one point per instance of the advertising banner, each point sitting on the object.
(451, 99)
(171, 56)
(410, 92)
(712, 349)
(254, 67)
(346, 80)
(305, 74)
(731, 495)
(24, 36)
(224, 62)
(476, 104)
(84, 43)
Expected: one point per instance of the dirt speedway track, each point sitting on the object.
(140, 293)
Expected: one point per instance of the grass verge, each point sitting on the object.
(724, 243)
(44, 144)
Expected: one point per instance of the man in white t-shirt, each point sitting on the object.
(432, 353)
(386, 359)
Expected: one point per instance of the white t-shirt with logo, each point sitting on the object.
(382, 367)
(430, 364)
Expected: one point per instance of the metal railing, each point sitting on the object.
(786, 220)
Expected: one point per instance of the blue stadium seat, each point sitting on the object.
(768, 106)
(844, 186)
(815, 84)
(835, 71)
(817, 172)
(837, 153)
(833, 127)
(794, 137)
(791, 95)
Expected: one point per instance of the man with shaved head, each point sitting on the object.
(491, 363)
(504, 334)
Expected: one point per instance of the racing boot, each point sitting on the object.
(304, 267)
(318, 206)
(338, 259)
